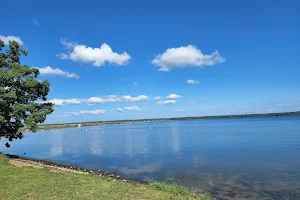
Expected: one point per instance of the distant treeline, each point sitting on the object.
(239, 116)
(80, 124)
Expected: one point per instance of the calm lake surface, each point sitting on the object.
(251, 158)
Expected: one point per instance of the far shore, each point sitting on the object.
(101, 123)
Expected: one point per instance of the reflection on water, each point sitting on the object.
(56, 145)
(254, 158)
(175, 139)
(95, 144)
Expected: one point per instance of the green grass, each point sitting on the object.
(37, 183)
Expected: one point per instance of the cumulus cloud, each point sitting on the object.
(185, 56)
(166, 102)
(129, 98)
(96, 56)
(192, 81)
(106, 99)
(62, 102)
(6, 39)
(83, 112)
(180, 110)
(115, 98)
(157, 98)
(133, 108)
(35, 22)
(118, 109)
(93, 112)
(56, 72)
(173, 96)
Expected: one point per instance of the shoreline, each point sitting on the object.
(73, 168)
(102, 123)
(27, 178)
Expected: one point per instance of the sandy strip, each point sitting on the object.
(28, 163)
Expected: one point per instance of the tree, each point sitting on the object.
(21, 95)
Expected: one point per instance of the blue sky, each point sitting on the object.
(108, 60)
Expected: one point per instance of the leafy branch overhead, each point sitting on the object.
(19, 92)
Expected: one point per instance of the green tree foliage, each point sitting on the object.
(19, 93)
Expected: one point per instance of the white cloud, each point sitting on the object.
(67, 44)
(173, 96)
(129, 98)
(118, 109)
(96, 56)
(180, 110)
(133, 108)
(135, 83)
(166, 102)
(157, 98)
(192, 81)
(62, 102)
(62, 56)
(93, 112)
(185, 56)
(106, 99)
(116, 98)
(191, 102)
(93, 100)
(35, 22)
(56, 72)
(11, 38)
(83, 112)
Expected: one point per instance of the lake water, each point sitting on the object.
(251, 158)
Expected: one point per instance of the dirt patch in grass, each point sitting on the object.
(29, 163)
(59, 168)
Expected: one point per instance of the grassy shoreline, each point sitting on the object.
(41, 183)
